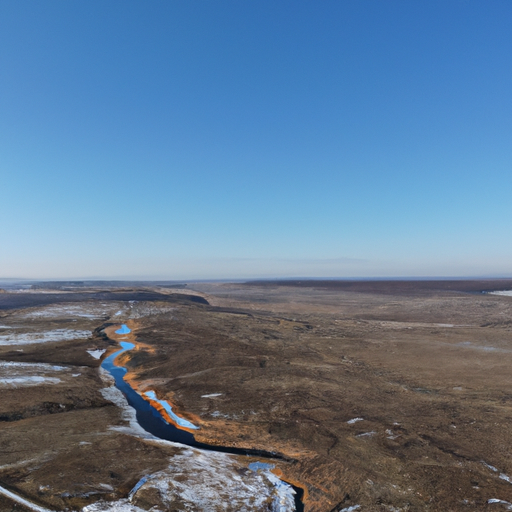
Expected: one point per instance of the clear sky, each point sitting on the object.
(256, 138)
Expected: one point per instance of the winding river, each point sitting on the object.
(150, 419)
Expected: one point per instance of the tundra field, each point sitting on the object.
(350, 395)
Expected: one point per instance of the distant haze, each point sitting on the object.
(234, 140)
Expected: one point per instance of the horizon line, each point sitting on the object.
(246, 279)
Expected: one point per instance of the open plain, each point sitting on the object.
(373, 396)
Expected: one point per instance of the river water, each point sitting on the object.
(152, 421)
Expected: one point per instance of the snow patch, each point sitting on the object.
(354, 420)
(43, 337)
(492, 468)
(485, 348)
(212, 480)
(34, 380)
(23, 501)
(212, 395)
(85, 310)
(115, 506)
(504, 293)
(218, 414)
(367, 434)
(506, 478)
(96, 353)
(501, 502)
(390, 434)
(14, 374)
(129, 415)
(204, 480)
(11, 365)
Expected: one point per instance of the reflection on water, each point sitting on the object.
(168, 409)
(124, 330)
(254, 466)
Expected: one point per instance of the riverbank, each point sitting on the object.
(69, 454)
(127, 334)
(175, 431)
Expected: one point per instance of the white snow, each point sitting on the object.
(129, 415)
(11, 365)
(502, 476)
(218, 414)
(206, 480)
(486, 348)
(83, 310)
(43, 337)
(14, 374)
(501, 502)
(283, 496)
(506, 478)
(115, 506)
(492, 468)
(143, 309)
(505, 293)
(354, 420)
(212, 395)
(390, 434)
(33, 380)
(367, 434)
(203, 480)
(23, 501)
(96, 353)
(133, 428)
(350, 509)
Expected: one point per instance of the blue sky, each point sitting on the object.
(229, 139)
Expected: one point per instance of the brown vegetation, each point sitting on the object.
(423, 372)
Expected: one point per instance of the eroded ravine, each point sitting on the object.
(156, 418)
